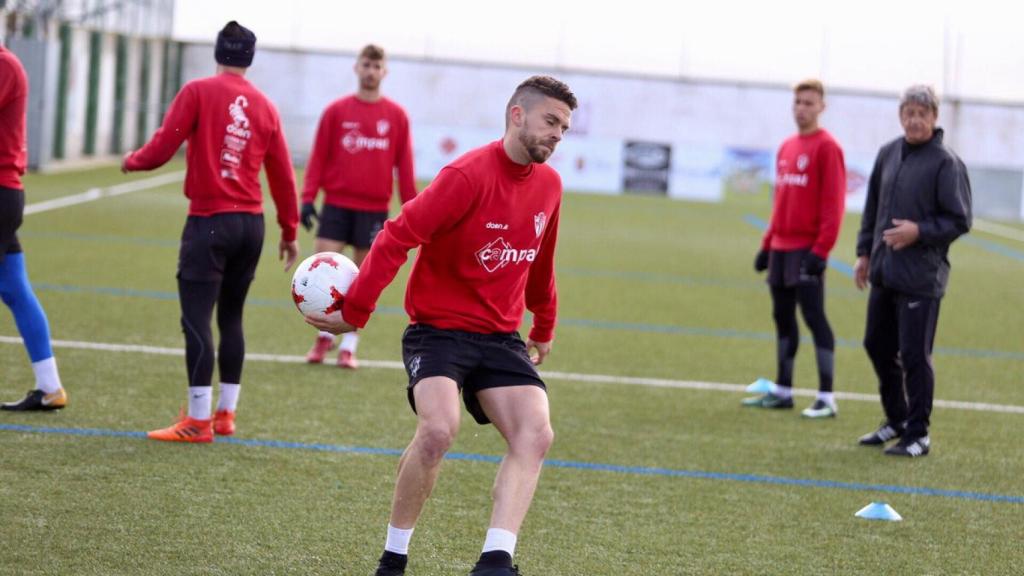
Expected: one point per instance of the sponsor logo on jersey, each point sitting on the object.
(355, 142)
(238, 135)
(792, 179)
(239, 121)
(496, 226)
(498, 253)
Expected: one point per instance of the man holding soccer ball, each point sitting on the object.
(486, 230)
(231, 129)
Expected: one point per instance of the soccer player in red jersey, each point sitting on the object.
(361, 141)
(810, 196)
(232, 129)
(15, 289)
(486, 230)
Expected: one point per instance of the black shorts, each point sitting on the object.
(474, 361)
(220, 245)
(353, 227)
(12, 211)
(785, 269)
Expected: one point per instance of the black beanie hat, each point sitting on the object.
(236, 46)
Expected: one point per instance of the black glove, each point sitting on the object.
(812, 264)
(761, 261)
(308, 215)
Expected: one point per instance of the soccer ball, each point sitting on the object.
(320, 283)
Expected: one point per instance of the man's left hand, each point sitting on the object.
(904, 233)
(542, 348)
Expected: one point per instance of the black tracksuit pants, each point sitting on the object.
(899, 337)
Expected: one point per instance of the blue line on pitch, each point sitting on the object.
(835, 264)
(577, 322)
(568, 464)
(995, 248)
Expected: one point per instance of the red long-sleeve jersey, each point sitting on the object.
(232, 129)
(810, 195)
(487, 229)
(358, 146)
(13, 105)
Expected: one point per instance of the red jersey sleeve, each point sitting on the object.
(179, 123)
(833, 197)
(317, 159)
(281, 176)
(541, 295)
(403, 158)
(437, 209)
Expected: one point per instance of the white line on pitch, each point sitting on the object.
(999, 230)
(569, 376)
(97, 193)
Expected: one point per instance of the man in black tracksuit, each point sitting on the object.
(919, 202)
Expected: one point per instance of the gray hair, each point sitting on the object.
(922, 95)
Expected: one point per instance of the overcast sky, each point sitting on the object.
(973, 49)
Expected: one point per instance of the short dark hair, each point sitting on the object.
(372, 52)
(540, 86)
(812, 84)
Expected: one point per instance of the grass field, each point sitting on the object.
(643, 479)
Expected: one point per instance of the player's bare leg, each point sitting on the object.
(521, 415)
(437, 407)
(438, 413)
(324, 340)
(350, 340)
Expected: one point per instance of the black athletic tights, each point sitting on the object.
(198, 299)
(810, 296)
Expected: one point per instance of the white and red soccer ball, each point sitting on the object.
(321, 282)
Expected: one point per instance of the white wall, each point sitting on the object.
(77, 95)
(455, 106)
(105, 100)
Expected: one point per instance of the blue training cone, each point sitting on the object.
(879, 511)
(761, 386)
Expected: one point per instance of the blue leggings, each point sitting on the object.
(17, 294)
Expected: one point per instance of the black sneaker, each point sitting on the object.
(391, 564)
(910, 448)
(38, 400)
(879, 437)
(495, 563)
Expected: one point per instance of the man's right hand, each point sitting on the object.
(308, 215)
(860, 272)
(761, 261)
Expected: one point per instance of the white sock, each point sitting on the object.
(47, 378)
(228, 396)
(783, 391)
(398, 540)
(498, 539)
(326, 335)
(827, 398)
(200, 398)
(349, 341)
